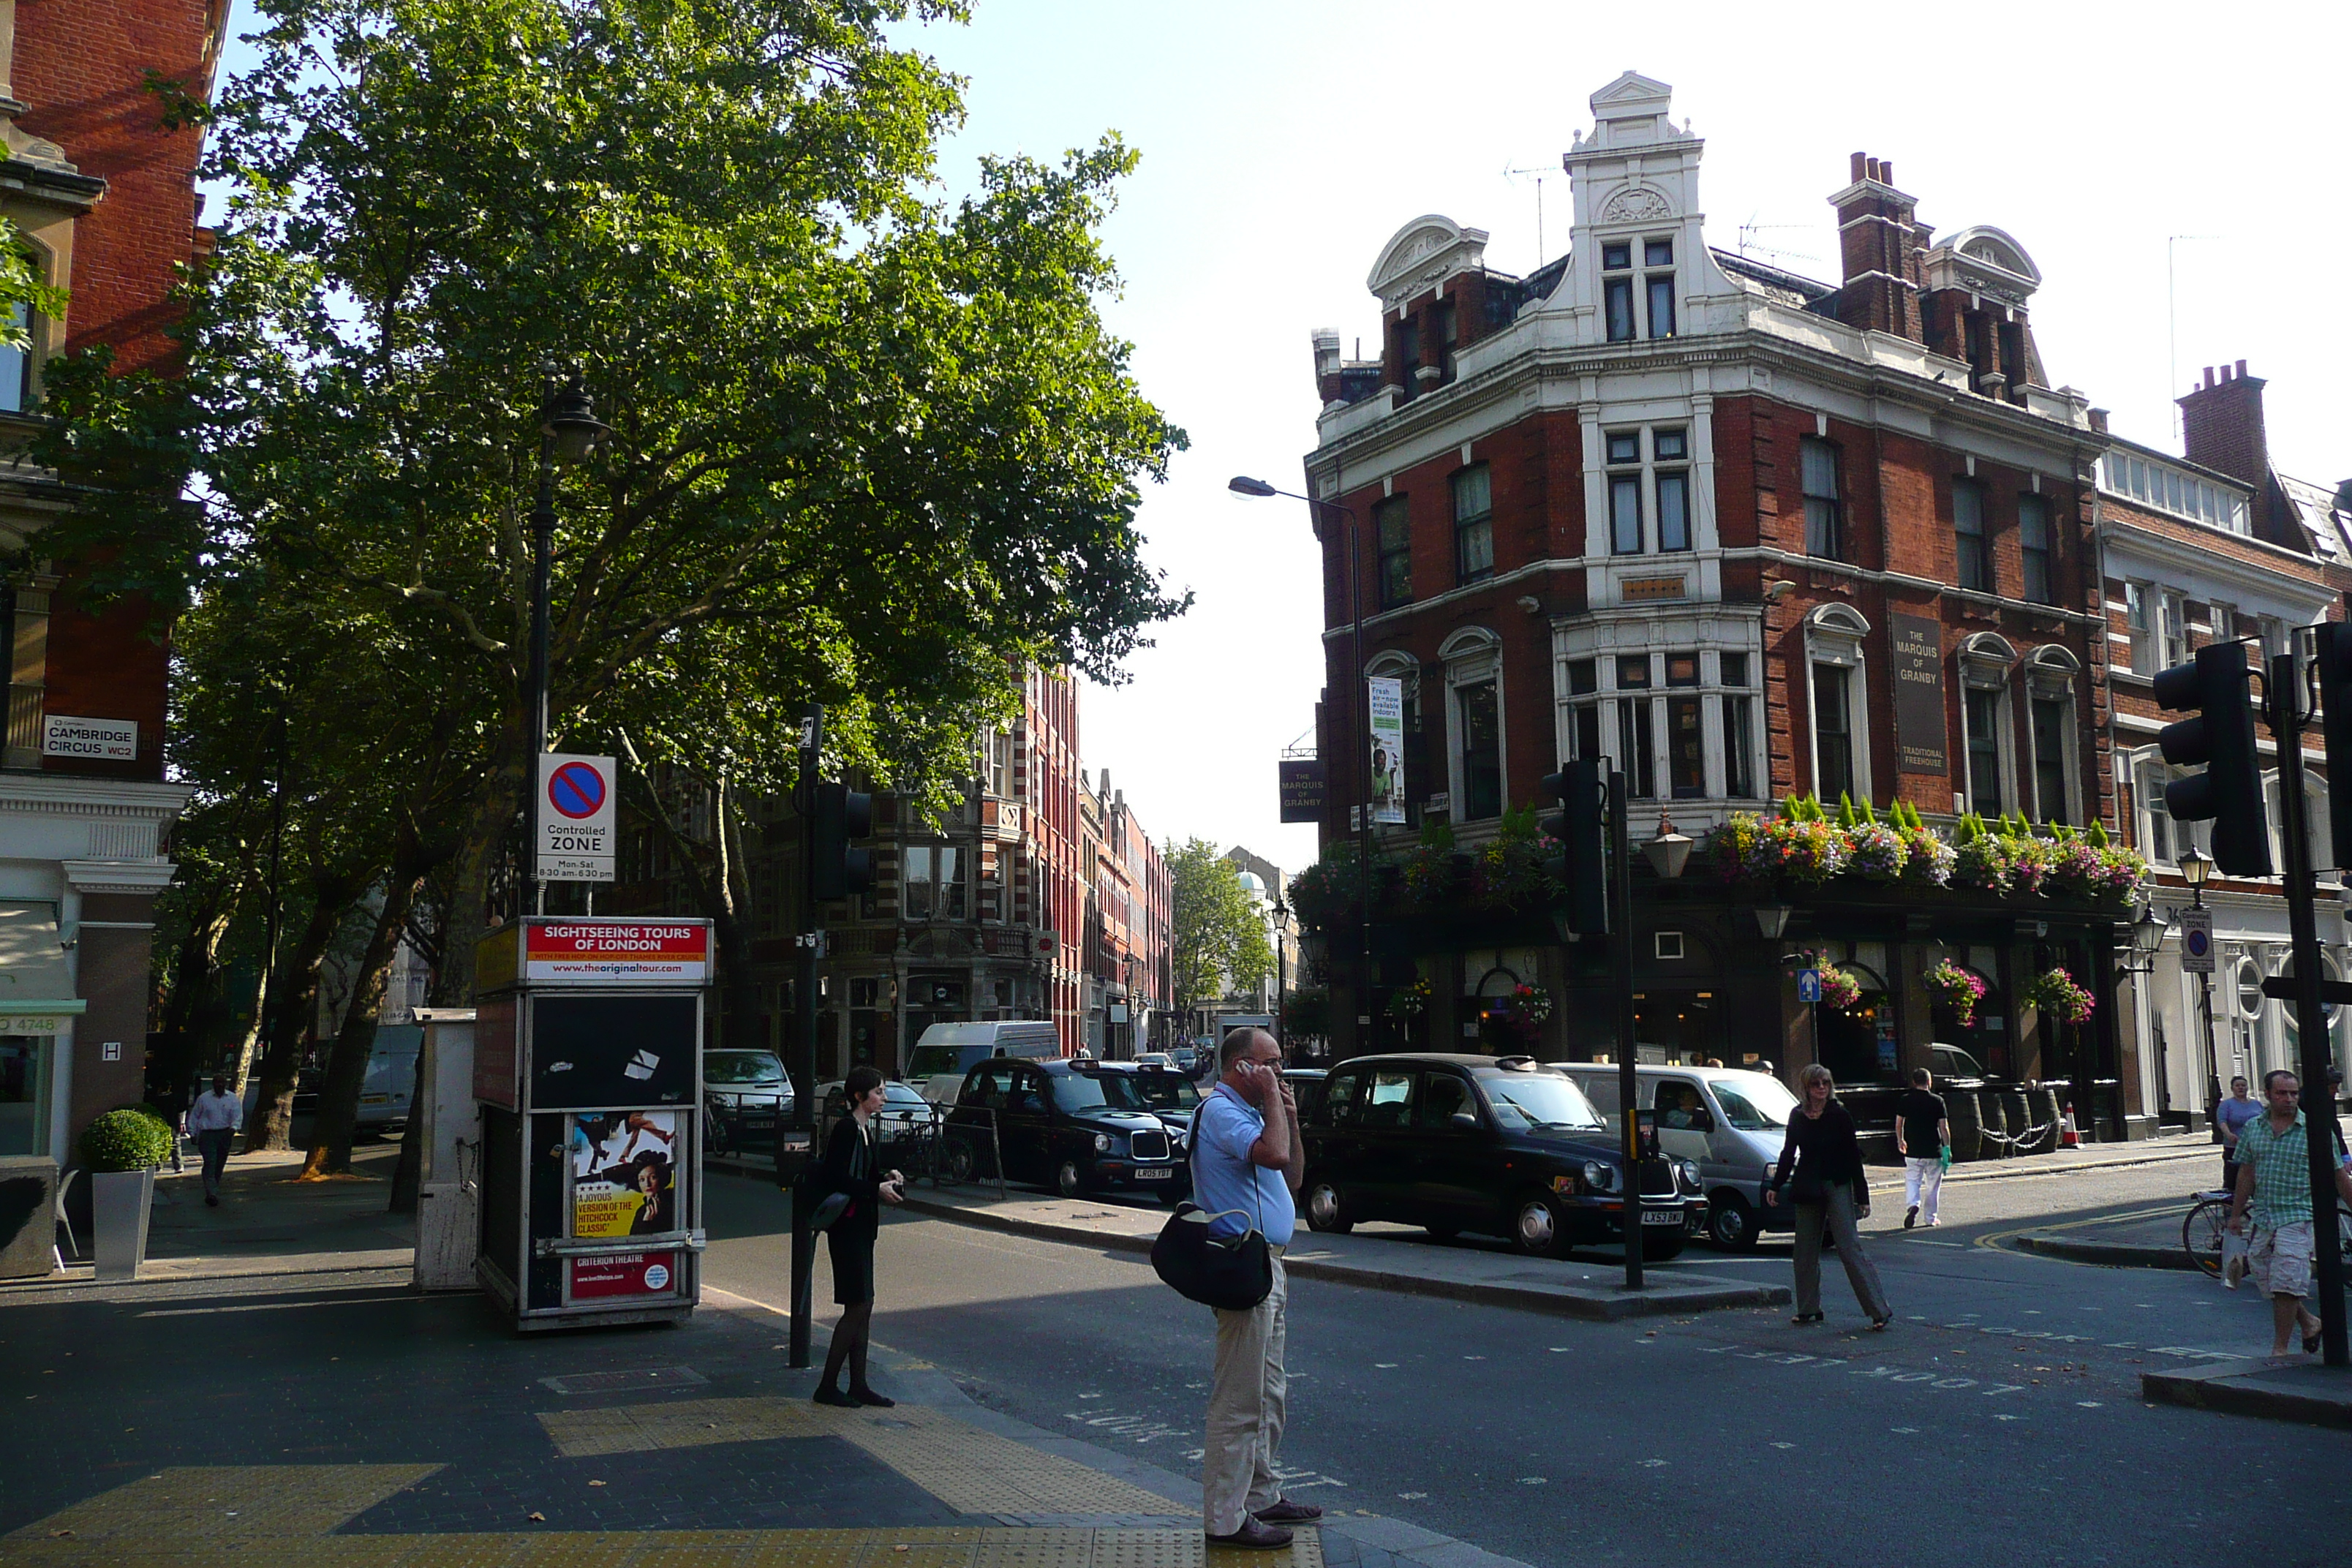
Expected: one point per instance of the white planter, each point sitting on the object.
(119, 1203)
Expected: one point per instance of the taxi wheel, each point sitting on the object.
(1327, 1210)
(1538, 1228)
(1069, 1181)
(959, 1162)
(1731, 1224)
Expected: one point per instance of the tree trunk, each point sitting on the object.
(347, 1063)
(290, 1004)
(495, 810)
(740, 1002)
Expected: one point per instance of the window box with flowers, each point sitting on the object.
(1803, 848)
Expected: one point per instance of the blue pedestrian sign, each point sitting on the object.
(1808, 986)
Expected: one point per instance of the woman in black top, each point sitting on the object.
(1826, 1161)
(849, 1170)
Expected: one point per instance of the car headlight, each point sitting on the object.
(1689, 1170)
(1600, 1176)
(1102, 1143)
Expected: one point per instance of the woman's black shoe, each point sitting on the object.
(868, 1396)
(1801, 1319)
(834, 1396)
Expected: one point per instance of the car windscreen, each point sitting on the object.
(929, 1061)
(1545, 1103)
(1085, 1091)
(904, 1094)
(741, 1067)
(1165, 1091)
(1756, 1104)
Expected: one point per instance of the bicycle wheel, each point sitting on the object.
(2201, 1235)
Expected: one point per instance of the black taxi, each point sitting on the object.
(1074, 1126)
(1492, 1145)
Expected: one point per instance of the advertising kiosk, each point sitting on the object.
(588, 1071)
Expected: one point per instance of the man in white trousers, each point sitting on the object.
(1922, 1134)
(1248, 1157)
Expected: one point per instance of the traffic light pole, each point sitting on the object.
(804, 1063)
(1628, 1077)
(2286, 721)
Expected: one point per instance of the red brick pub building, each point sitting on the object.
(1746, 535)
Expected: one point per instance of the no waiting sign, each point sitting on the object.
(575, 818)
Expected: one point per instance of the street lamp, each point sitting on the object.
(1281, 972)
(1669, 852)
(2146, 937)
(568, 429)
(1242, 484)
(2195, 868)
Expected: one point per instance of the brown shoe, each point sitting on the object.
(1254, 1536)
(1286, 1511)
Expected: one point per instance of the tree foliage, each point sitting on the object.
(1218, 938)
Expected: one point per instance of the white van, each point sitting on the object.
(1731, 1120)
(951, 1050)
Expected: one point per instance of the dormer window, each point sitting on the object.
(1621, 286)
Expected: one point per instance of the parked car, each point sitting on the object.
(1729, 1120)
(1306, 1087)
(1187, 1059)
(1075, 1127)
(746, 1096)
(1497, 1146)
(1166, 1092)
(1952, 1065)
(1156, 1059)
(902, 1129)
(959, 1048)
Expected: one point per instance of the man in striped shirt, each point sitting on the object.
(2273, 1158)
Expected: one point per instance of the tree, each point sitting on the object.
(878, 450)
(1219, 939)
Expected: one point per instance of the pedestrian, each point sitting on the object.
(1247, 1163)
(1920, 1125)
(2275, 1190)
(849, 1163)
(212, 1121)
(2230, 1115)
(1830, 1191)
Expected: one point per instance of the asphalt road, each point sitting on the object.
(1997, 1422)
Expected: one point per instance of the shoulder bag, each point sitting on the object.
(1233, 1273)
(834, 1205)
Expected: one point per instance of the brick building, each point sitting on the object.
(2207, 548)
(104, 196)
(1744, 535)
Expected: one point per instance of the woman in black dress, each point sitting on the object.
(1826, 1160)
(849, 1170)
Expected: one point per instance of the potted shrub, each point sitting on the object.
(121, 1149)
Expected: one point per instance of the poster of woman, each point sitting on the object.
(623, 1174)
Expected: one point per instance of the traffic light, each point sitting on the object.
(1582, 864)
(2334, 661)
(2228, 793)
(835, 869)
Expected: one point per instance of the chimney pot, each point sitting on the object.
(1886, 170)
(2242, 370)
(1860, 167)
(2209, 375)
(1873, 168)
(2225, 374)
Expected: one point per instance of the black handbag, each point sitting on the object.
(1233, 1273)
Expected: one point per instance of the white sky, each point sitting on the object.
(1285, 140)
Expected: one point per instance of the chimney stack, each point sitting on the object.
(2222, 423)
(1882, 249)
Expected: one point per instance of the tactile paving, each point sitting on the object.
(203, 1505)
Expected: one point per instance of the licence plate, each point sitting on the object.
(375, 1100)
(1661, 1216)
(1153, 1175)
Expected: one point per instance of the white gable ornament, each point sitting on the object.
(1635, 203)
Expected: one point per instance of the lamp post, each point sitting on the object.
(2195, 868)
(568, 429)
(1281, 974)
(1242, 484)
(1131, 1020)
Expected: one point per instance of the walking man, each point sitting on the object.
(1923, 1136)
(212, 1121)
(1247, 1156)
(2230, 1117)
(2274, 1186)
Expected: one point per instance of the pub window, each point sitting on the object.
(1968, 536)
(1584, 714)
(1473, 525)
(1634, 731)
(1983, 716)
(1833, 774)
(2053, 723)
(1392, 520)
(2033, 540)
(1482, 751)
(1824, 512)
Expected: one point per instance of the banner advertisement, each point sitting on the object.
(1384, 705)
(625, 1173)
(605, 952)
(612, 1274)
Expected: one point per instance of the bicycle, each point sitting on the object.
(2208, 1220)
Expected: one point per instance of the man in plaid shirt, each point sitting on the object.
(2275, 1184)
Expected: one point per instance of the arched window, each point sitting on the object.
(1989, 773)
(1474, 689)
(2049, 672)
(1840, 708)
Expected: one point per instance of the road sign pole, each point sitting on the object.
(803, 1064)
(543, 556)
(1629, 1080)
(2285, 696)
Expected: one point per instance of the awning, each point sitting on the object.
(34, 978)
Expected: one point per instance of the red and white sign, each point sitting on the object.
(605, 1276)
(624, 952)
(575, 818)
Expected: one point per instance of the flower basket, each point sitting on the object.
(1956, 990)
(1983, 864)
(1879, 854)
(2055, 992)
(1931, 859)
(1839, 989)
(2030, 862)
(1409, 1001)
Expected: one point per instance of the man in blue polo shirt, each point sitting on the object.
(1247, 1162)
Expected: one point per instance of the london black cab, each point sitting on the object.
(1493, 1145)
(1073, 1126)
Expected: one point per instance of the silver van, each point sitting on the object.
(949, 1051)
(1731, 1122)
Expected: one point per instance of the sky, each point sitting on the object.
(1283, 142)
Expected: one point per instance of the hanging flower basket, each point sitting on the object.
(2056, 994)
(1531, 1003)
(1879, 853)
(1956, 989)
(1410, 1001)
(1839, 989)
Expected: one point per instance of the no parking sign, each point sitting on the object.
(575, 818)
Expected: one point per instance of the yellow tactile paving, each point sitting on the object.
(971, 1471)
(209, 1504)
